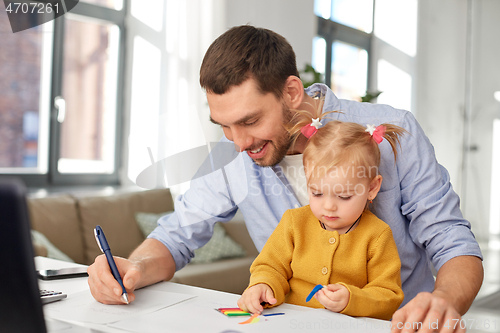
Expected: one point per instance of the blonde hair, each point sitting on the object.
(340, 143)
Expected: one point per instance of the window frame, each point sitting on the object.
(53, 177)
(332, 31)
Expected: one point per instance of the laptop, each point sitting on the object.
(20, 303)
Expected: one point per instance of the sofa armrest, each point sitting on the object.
(116, 215)
(56, 217)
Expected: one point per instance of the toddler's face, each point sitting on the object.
(339, 197)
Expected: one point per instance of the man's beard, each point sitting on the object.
(281, 144)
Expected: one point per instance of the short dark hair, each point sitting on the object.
(245, 52)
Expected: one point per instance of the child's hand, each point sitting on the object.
(253, 296)
(333, 297)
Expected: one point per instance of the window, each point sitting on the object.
(24, 97)
(367, 46)
(342, 49)
(349, 70)
(60, 96)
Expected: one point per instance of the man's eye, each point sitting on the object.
(250, 123)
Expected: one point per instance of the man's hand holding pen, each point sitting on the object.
(105, 288)
(106, 283)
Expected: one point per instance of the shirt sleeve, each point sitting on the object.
(272, 265)
(429, 201)
(382, 295)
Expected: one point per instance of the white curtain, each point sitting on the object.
(168, 110)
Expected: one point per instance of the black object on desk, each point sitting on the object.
(20, 304)
(62, 273)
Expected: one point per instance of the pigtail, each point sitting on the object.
(300, 119)
(393, 135)
(303, 118)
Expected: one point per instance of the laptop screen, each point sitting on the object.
(20, 304)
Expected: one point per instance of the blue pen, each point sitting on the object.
(274, 314)
(103, 245)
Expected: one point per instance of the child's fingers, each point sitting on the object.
(336, 292)
(252, 298)
(333, 300)
(255, 307)
(242, 302)
(333, 287)
(269, 296)
(249, 298)
(330, 294)
(324, 299)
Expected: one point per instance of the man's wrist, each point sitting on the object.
(447, 297)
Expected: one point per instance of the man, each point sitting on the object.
(252, 85)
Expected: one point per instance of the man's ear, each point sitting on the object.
(293, 93)
(374, 187)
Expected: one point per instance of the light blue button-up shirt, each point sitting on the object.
(416, 198)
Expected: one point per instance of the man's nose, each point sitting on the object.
(241, 139)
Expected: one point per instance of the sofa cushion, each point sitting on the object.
(220, 246)
(147, 222)
(238, 231)
(40, 250)
(116, 215)
(57, 218)
(51, 251)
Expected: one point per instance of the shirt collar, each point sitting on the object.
(332, 103)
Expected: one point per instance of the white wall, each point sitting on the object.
(441, 50)
(456, 81)
(485, 80)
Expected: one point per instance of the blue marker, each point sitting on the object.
(103, 245)
(274, 314)
(313, 292)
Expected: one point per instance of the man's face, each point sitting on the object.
(253, 121)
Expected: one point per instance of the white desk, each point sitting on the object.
(198, 314)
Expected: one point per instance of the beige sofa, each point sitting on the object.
(68, 221)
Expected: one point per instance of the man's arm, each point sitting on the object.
(458, 281)
(457, 284)
(155, 262)
(151, 262)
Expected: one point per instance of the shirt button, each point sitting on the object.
(324, 270)
(332, 240)
(296, 206)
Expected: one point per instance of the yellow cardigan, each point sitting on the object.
(301, 254)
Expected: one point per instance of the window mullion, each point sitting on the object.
(55, 127)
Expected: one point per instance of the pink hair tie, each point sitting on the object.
(311, 129)
(377, 133)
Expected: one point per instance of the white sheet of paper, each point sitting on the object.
(199, 315)
(315, 320)
(82, 307)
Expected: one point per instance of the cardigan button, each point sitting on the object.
(332, 240)
(324, 270)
